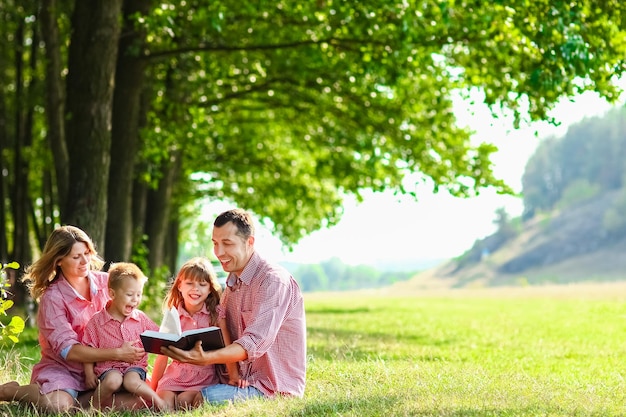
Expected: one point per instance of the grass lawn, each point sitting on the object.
(555, 351)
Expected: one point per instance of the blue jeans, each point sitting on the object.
(220, 393)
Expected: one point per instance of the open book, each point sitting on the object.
(170, 333)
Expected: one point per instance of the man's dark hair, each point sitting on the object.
(241, 218)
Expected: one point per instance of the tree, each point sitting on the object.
(589, 159)
(90, 81)
(286, 107)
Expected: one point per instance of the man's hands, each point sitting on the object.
(195, 356)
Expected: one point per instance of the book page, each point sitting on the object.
(171, 322)
(201, 330)
(158, 335)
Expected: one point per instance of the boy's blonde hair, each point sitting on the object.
(121, 270)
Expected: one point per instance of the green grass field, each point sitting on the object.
(516, 352)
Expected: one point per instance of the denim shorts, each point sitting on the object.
(221, 393)
(72, 392)
(142, 372)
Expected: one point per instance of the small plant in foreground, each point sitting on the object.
(11, 330)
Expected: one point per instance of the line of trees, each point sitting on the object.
(565, 173)
(334, 275)
(588, 160)
(117, 116)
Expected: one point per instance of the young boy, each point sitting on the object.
(120, 321)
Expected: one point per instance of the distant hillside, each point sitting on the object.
(573, 228)
(572, 245)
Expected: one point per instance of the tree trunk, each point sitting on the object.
(90, 84)
(55, 104)
(5, 164)
(140, 201)
(158, 213)
(170, 252)
(129, 78)
(23, 128)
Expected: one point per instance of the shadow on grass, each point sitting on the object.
(398, 405)
(334, 310)
(356, 345)
(505, 412)
(388, 406)
(22, 410)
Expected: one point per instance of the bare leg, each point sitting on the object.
(109, 385)
(170, 399)
(135, 385)
(190, 399)
(121, 401)
(53, 402)
(56, 402)
(9, 391)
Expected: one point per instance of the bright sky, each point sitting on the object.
(385, 228)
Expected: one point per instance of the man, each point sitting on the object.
(264, 314)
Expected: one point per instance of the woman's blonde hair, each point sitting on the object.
(197, 269)
(45, 270)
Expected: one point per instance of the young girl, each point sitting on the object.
(196, 294)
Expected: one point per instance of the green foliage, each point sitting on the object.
(328, 98)
(11, 330)
(588, 160)
(195, 234)
(507, 227)
(578, 191)
(140, 254)
(614, 221)
(283, 108)
(155, 290)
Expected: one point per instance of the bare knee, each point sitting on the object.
(169, 397)
(190, 399)
(111, 382)
(57, 402)
(132, 381)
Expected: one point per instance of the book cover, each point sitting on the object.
(211, 338)
(170, 333)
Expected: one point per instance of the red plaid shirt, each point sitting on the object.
(265, 315)
(103, 331)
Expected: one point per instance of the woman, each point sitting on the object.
(70, 288)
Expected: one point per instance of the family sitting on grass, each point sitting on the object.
(89, 326)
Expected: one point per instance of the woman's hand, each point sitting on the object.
(130, 352)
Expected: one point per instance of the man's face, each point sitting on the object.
(231, 250)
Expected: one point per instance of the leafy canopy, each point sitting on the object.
(284, 107)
